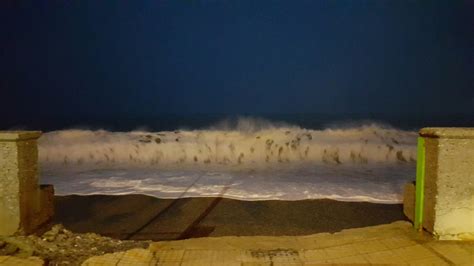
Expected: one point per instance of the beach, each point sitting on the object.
(140, 217)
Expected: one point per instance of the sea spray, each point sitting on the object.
(200, 148)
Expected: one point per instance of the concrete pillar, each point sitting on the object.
(409, 193)
(448, 210)
(24, 206)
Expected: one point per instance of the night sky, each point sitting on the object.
(76, 59)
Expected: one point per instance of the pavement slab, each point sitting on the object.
(16, 261)
(395, 243)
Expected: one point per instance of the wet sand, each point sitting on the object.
(144, 217)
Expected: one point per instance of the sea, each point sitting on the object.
(281, 157)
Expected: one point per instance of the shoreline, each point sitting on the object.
(362, 199)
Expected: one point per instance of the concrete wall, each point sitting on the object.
(24, 206)
(409, 194)
(449, 182)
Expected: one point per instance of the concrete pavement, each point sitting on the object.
(395, 243)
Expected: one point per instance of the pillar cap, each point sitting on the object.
(448, 132)
(19, 135)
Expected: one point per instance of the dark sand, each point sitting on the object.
(144, 217)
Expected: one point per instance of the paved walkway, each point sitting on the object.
(395, 243)
(15, 261)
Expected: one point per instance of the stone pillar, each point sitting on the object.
(448, 210)
(24, 206)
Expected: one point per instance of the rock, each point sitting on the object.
(10, 249)
(53, 233)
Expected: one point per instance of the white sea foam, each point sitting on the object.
(360, 145)
(249, 162)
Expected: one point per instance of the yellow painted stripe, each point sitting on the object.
(420, 183)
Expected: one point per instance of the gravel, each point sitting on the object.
(60, 246)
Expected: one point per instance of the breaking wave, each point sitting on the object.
(246, 142)
(245, 159)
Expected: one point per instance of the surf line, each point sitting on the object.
(187, 232)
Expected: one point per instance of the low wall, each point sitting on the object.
(448, 205)
(24, 206)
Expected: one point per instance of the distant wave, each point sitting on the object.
(242, 142)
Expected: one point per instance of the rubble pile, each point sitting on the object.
(60, 246)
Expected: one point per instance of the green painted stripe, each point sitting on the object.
(420, 183)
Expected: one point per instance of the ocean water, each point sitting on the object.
(244, 158)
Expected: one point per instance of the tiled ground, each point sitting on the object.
(14, 261)
(396, 243)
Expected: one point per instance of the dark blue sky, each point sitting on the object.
(146, 58)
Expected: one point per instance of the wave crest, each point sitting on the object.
(247, 141)
(250, 125)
